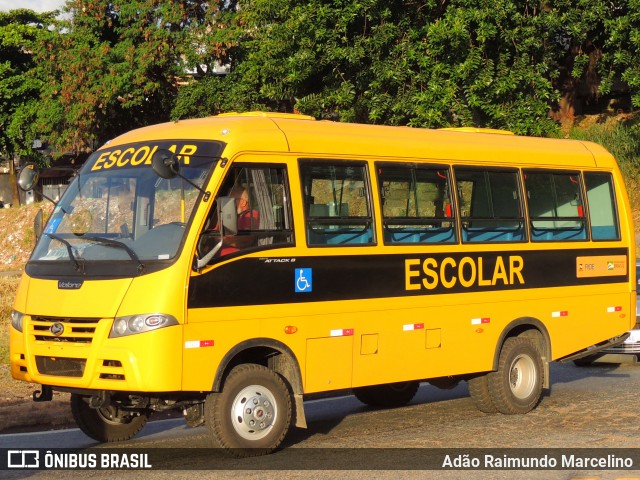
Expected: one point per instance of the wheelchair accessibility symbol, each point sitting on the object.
(304, 280)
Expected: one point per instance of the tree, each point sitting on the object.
(20, 80)
(113, 66)
(431, 63)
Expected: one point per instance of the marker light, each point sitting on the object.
(132, 324)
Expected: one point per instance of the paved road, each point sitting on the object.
(593, 408)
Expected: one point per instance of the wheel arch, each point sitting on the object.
(534, 329)
(272, 354)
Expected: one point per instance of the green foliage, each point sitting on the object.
(397, 63)
(21, 31)
(113, 66)
(622, 140)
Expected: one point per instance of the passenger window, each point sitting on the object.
(490, 205)
(602, 210)
(555, 206)
(336, 203)
(416, 204)
(258, 197)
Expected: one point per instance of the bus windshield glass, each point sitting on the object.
(119, 209)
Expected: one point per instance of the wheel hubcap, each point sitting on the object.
(253, 412)
(522, 377)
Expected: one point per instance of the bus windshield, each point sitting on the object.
(126, 213)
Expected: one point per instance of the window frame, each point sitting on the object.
(288, 217)
(399, 221)
(615, 210)
(523, 219)
(586, 226)
(369, 221)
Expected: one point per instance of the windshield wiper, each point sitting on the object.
(116, 243)
(79, 268)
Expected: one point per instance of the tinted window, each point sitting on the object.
(416, 204)
(555, 206)
(490, 205)
(336, 203)
(257, 196)
(602, 211)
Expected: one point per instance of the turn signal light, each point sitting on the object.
(289, 329)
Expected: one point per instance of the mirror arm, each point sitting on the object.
(207, 194)
(204, 260)
(39, 191)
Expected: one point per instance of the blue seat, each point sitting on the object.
(413, 235)
(342, 236)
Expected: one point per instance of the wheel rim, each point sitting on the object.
(522, 376)
(254, 412)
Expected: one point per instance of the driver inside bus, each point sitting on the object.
(248, 220)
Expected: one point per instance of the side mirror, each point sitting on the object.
(228, 215)
(28, 177)
(165, 164)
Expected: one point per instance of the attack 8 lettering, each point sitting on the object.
(140, 155)
(429, 273)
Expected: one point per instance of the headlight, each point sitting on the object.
(16, 320)
(133, 324)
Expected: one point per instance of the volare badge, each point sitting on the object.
(70, 284)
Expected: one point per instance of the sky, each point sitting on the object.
(37, 5)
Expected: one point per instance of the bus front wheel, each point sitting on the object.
(516, 387)
(252, 414)
(388, 395)
(108, 424)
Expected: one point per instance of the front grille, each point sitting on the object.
(60, 366)
(111, 370)
(75, 330)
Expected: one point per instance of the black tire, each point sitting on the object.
(253, 431)
(387, 396)
(479, 391)
(516, 387)
(104, 424)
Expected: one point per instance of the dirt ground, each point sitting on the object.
(19, 413)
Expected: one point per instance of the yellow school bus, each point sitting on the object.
(229, 266)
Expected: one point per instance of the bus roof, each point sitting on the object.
(278, 132)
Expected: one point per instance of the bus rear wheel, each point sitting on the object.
(516, 387)
(387, 396)
(480, 395)
(252, 414)
(108, 424)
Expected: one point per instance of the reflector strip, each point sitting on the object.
(413, 326)
(198, 343)
(614, 309)
(342, 332)
(479, 321)
(563, 313)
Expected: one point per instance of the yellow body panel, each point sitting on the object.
(339, 343)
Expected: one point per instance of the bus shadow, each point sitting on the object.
(324, 415)
(568, 372)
